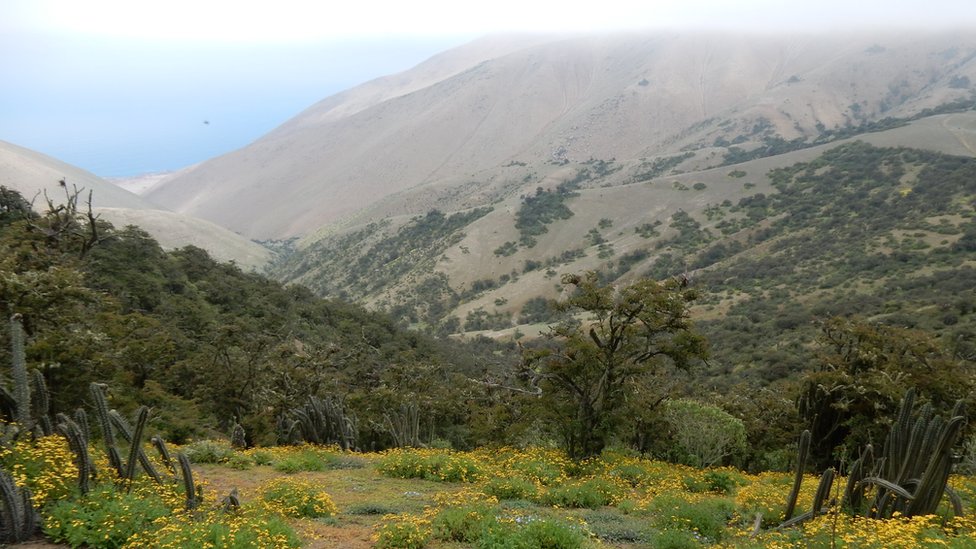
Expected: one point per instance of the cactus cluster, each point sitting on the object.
(909, 478)
(27, 403)
(321, 421)
(404, 426)
(18, 519)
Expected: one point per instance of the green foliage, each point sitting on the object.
(442, 466)
(838, 239)
(308, 459)
(660, 166)
(703, 434)
(590, 370)
(506, 249)
(707, 517)
(543, 208)
(647, 230)
(531, 532)
(106, 518)
(537, 310)
(464, 524)
(208, 451)
(588, 494)
(299, 498)
(402, 534)
(863, 371)
(512, 487)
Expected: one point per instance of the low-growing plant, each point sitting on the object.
(530, 533)
(510, 488)
(208, 451)
(465, 524)
(402, 532)
(708, 516)
(298, 498)
(722, 481)
(438, 465)
(45, 466)
(239, 461)
(588, 494)
(676, 539)
(105, 517)
(262, 457)
(215, 528)
(308, 459)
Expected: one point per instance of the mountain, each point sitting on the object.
(788, 178)
(33, 174)
(451, 133)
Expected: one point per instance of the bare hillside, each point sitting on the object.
(457, 124)
(32, 174)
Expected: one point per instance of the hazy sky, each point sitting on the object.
(121, 87)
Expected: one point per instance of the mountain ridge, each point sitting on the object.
(565, 98)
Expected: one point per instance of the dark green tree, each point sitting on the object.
(863, 371)
(620, 341)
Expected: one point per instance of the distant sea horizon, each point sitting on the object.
(123, 110)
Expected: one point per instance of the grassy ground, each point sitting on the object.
(536, 498)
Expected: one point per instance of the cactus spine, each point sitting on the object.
(78, 442)
(42, 402)
(803, 451)
(135, 449)
(192, 499)
(108, 436)
(17, 517)
(19, 373)
(911, 479)
(160, 445)
(135, 441)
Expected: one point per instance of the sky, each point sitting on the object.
(125, 87)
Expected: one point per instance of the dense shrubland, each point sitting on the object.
(863, 291)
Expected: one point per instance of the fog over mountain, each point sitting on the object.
(465, 116)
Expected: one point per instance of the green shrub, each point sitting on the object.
(430, 465)
(208, 451)
(589, 494)
(703, 434)
(103, 518)
(676, 539)
(464, 524)
(722, 482)
(307, 459)
(262, 457)
(298, 498)
(707, 517)
(404, 533)
(510, 488)
(240, 461)
(531, 533)
(247, 530)
(632, 474)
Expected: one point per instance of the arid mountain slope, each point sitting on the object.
(609, 220)
(32, 174)
(456, 124)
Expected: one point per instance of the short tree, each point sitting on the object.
(703, 434)
(863, 370)
(594, 364)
